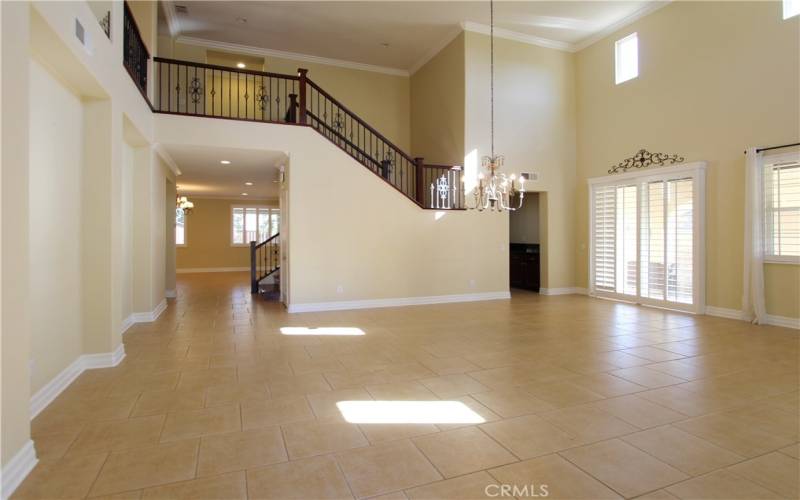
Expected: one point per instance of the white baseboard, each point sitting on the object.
(211, 270)
(783, 321)
(127, 323)
(563, 291)
(770, 319)
(170, 294)
(398, 302)
(17, 469)
(147, 317)
(723, 312)
(52, 389)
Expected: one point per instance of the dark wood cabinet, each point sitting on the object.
(524, 266)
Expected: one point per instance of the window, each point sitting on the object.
(646, 245)
(782, 207)
(791, 8)
(626, 52)
(254, 224)
(180, 228)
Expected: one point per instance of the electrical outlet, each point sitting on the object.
(472, 283)
(340, 289)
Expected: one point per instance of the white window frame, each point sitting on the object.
(244, 206)
(185, 231)
(791, 8)
(618, 59)
(696, 170)
(768, 161)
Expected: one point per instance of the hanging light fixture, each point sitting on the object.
(183, 204)
(496, 190)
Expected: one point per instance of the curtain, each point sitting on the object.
(753, 305)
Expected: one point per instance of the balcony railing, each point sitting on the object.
(135, 55)
(199, 89)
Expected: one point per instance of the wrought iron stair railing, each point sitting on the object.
(199, 89)
(265, 259)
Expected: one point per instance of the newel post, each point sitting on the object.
(420, 166)
(253, 282)
(301, 72)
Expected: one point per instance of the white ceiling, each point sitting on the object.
(202, 174)
(356, 31)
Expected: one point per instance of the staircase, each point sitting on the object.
(206, 90)
(265, 260)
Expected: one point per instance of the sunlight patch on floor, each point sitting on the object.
(322, 330)
(408, 412)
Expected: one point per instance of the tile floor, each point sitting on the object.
(587, 398)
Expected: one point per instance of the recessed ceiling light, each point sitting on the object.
(241, 20)
(241, 65)
(248, 183)
(225, 162)
(244, 194)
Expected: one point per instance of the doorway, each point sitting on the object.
(524, 239)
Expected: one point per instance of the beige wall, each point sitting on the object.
(15, 251)
(534, 129)
(382, 100)
(208, 236)
(371, 253)
(56, 166)
(714, 78)
(437, 107)
(63, 185)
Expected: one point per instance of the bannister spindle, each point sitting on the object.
(301, 72)
(420, 167)
(253, 282)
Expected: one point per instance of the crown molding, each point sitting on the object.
(485, 29)
(173, 21)
(434, 51)
(260, 51)
(611, 28)
(244, 200)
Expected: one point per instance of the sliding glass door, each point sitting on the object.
(646, 237)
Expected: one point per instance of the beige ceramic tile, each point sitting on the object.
(203, 422)
(386, 467)
(317, 478)
(118, 435)
(377, 433)
(225, 394)
(512, 402)
(529, 436)
(240, 450)
(306, 439)
(70, 477)
(160, 402)
(462, 451)
(720, 485)
(471, 486)
(588, 424)
(144, 467)
(614, 462)
(227, 486)
(454, 385)
(774, 471)
(638, 411)
(682, 450)
(266, 413)
(554, 476)
(324, 403)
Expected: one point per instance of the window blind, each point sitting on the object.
(782, 209)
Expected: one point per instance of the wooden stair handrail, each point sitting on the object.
(359, 120)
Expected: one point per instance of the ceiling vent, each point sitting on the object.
(530, 176)
(181, 9)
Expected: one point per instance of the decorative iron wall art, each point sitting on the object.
(644, 158)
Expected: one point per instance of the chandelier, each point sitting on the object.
(496, 190)
(183, 204)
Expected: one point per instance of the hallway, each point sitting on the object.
(227, 396)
